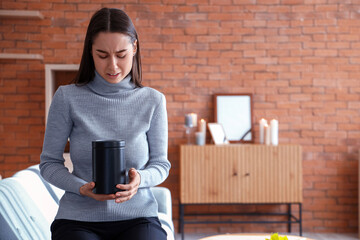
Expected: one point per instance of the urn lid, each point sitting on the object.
(108, 144)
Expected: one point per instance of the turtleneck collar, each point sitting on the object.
(103, 87)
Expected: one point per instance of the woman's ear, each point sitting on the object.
(134, 47)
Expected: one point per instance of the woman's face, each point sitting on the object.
(113, 55)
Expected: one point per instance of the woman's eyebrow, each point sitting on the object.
(102, 51)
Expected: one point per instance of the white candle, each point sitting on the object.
(202, 125)
(267, 134)
(200, 138)
(188, 120)
(194, 119)
(262, 124)
(202, 128)
(191, 120)
(274, 127)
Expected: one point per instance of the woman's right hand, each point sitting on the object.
(87, 190)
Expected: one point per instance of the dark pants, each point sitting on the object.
(135, 229)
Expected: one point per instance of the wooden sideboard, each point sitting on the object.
(240, 174)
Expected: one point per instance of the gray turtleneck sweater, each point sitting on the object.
(101, 110)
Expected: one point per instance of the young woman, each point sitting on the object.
(107, 101)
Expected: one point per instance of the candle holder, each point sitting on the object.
(190, 123)
(188, 134)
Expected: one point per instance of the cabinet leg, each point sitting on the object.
(289, 217)
(300, 219)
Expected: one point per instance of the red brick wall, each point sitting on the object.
(299, 58)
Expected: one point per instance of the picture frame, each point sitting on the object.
(217, 133)
(234, 113)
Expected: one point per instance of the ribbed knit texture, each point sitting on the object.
(102, 110)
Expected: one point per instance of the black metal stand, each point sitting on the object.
(291, 219)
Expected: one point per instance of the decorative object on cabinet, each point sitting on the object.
(234, 112)
(269, 132)
(217, 133)
(190, 123)
(200, 135)
(240, 174)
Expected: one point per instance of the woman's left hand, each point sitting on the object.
(128, 190)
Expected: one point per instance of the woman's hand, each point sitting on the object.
(129, 190)
(87, 190)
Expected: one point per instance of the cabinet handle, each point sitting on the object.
(247, 174)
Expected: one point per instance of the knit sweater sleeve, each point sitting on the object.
(158, 166)
(59, 125)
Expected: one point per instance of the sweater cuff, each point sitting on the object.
(143, 176)
(75, 188)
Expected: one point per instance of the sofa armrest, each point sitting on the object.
(163, 198)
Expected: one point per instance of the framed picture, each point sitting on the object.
(217, 133)
(234, 113)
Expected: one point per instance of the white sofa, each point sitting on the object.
(28, 205)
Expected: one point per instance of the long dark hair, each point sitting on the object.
(108, 20)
